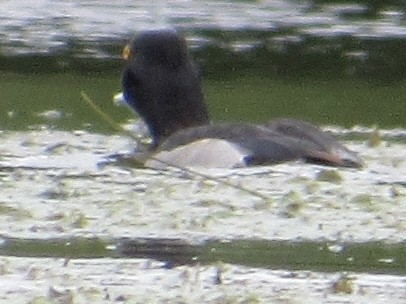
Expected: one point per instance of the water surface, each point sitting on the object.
(338, 64)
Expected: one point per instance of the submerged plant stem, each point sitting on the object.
(105, 116)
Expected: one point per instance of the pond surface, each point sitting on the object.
(307, 206)
(50, 26)
(78, 228)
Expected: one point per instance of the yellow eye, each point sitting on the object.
(127, 53)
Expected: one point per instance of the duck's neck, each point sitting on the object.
(163, 124)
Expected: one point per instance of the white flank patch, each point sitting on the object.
(207, 153)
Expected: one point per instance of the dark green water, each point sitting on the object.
(250, 97)
(376, 257)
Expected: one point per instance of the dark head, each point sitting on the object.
(162, 85)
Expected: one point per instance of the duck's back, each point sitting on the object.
(239, 144)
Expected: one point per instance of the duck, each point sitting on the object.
(162, 84)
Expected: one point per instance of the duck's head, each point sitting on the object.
(162, 85)
(165, 48)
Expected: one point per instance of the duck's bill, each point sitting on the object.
(119, 99)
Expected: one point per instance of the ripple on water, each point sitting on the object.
(41, 29)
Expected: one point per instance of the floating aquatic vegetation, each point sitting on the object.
(327, 175)
(343, 284)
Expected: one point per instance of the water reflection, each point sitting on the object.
(50, 26)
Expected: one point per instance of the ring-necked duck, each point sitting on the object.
(161, 83)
